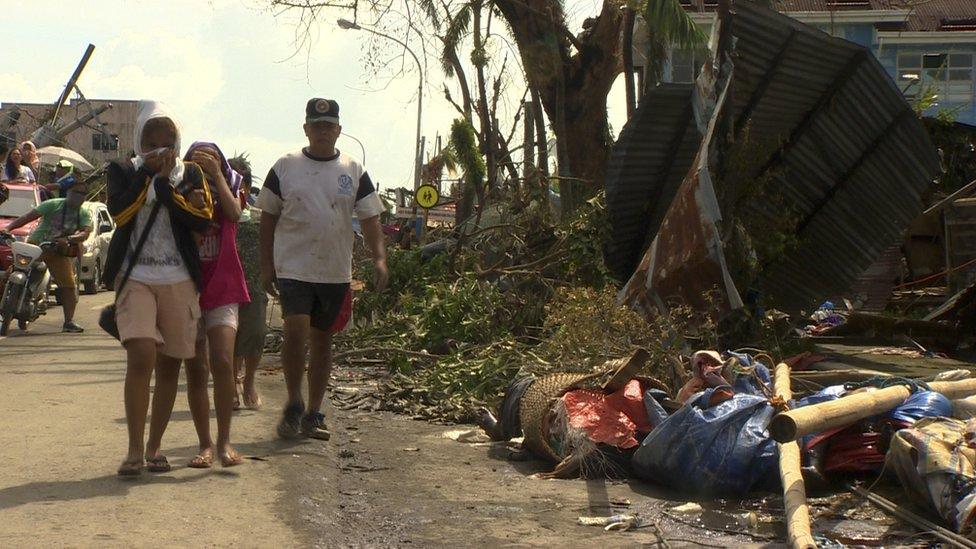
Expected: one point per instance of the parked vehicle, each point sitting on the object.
(23, 198)
(25, 292)
(94, 250)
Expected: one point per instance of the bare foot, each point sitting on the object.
(252, 400)
(203, 459)
(229, 457)
(132, 466)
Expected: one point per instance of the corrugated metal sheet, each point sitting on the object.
(855, 160)
(852, 167)
(876, 284)
(686, 261)
(654, 152)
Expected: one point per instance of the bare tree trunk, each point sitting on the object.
(483, 113)
(542, 141)
(463, 83)
(628, 58)
(573, 87)
(528, 140)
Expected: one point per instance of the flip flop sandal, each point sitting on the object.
(158, 464)
(130, 468)
(231, 460)
(201, 462)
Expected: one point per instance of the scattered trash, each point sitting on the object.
(690, 508)
(473, 437)
(410, 449)
(935, 464)
(618, 523)
(953, 375)
(716, 444)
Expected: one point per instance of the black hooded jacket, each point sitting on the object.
(127, 188)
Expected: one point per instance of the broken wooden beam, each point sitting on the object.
(850, 409)
(794, 491)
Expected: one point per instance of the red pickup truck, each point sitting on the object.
(24, 197)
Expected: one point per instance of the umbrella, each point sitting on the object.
(52, 155)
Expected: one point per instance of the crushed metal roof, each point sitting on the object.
(853, 164)
(654, 151)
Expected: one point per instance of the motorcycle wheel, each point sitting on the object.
(23, 325)
(5, 325)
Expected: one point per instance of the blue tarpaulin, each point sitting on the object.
(723, 450)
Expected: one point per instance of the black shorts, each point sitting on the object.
(321, 302)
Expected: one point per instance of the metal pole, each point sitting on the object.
(344, 134)
(420, 91)
(420, 105)
(72, 82)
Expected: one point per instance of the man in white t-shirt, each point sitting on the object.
(307, 202)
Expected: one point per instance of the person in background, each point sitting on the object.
(253, 325)
(15, 170)
(4, 191)
(31, 160)
(67, 224)
(223, 290)
(307, 203)
(158, 308)
(64, 177)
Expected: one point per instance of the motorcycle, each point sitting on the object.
(25, 292)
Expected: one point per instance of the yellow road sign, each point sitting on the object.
(426, 196)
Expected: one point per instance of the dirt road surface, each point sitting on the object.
(382, 481)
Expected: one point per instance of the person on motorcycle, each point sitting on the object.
(64, 178)
(67, 224)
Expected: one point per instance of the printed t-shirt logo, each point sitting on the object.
(345, 185)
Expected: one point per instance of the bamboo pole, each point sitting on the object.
(850, 409)
(794, 491)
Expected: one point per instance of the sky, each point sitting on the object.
(228, 70)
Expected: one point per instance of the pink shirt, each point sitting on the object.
(223, 276)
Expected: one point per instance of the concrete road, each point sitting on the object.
(62, 435)
(382, 481)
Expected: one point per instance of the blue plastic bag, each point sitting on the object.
(922, 404)
(722, 450)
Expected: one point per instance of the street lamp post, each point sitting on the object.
(349, 25)
(361, 147)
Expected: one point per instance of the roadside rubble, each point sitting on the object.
(804, 425)
(722, 441)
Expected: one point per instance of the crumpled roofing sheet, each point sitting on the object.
(852, 160)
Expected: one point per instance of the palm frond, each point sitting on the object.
(457, 27)
(669, 22)
(430, 10)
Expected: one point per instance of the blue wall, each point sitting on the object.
(963, 109)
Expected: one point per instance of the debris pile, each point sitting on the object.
(746, 194)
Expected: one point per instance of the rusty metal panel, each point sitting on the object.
(686, 261)
(653, 154)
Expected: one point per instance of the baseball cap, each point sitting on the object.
(65, 164)
(321, 110)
